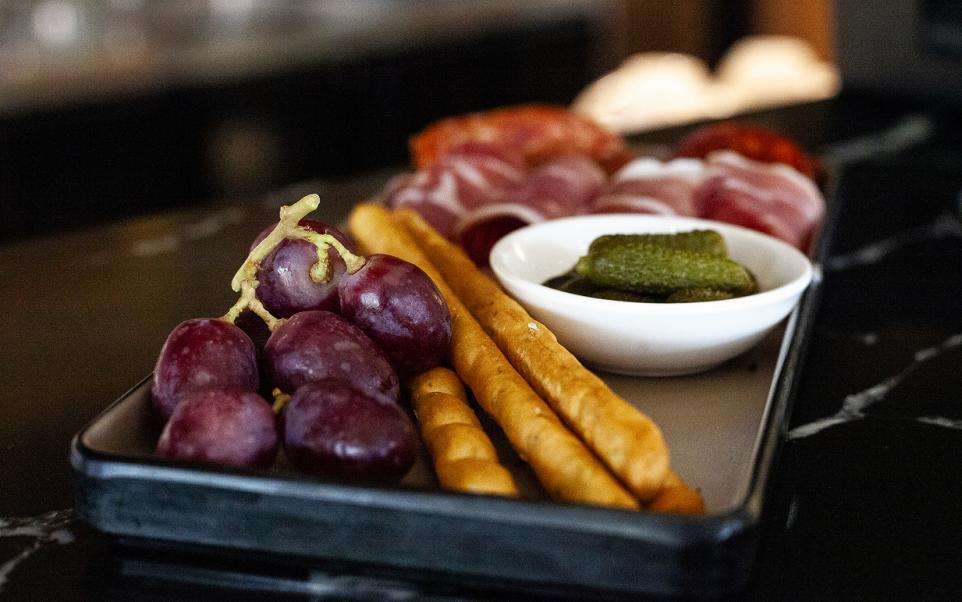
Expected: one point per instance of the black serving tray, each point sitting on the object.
(122, 490)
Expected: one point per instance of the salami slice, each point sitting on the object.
(538, 132)
(750, 141)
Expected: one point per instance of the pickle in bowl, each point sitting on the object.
(683, 267)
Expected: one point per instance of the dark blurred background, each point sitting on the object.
(118, 107)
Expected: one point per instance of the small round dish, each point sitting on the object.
(649, 339)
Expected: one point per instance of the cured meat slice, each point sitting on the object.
(564, 186)
(477, 231)
(768, 197)
(469, 176)
(537, 132)
(652, 186)
(483, 172)
(751, 141)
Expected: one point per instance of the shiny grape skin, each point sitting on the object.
(225, 425)
(331, 429)
(202, 353)
(315, 345)
(285, 285)
(401, 309)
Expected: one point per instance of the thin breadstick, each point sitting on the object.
(627, 440)
(566, 469)
(464, 458)
(677, 498)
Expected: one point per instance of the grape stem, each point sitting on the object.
(245, 280)
(280, 400)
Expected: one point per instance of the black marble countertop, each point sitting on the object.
(863, 501)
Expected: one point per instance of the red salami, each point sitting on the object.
(538, 132)
(751, 141)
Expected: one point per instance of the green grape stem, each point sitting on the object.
(245, 279)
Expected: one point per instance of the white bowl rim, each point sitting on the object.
(786, 290)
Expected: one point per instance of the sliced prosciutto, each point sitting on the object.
(768, 197)
(561, 187)
(652, 186)
(469, 176)
(479, 230)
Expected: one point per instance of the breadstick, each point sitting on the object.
(624, 438)
(566, 469)
(464, 458)
(677, 498)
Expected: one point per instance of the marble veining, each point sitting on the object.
(854, 406)
(907, 132)
(42, 530)
(208, 226)
(941, 421)
(944, 225)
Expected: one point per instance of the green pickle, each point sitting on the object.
(699, 241)
(616, 295)
(658, 268)
(695, 295)
(572, 282)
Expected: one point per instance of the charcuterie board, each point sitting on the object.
(721, 425)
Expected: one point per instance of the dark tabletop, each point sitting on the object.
(862, 501)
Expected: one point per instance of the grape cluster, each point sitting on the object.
(334, 331)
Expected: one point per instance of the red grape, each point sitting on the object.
(198, 354)
(396, 304)
(332, 429)
(227, 425)
(285, 286)
(315, 345)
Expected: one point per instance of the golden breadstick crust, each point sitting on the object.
(629, 442)
(477, 476)
(455, 442)
(566, 469)
(442, 380)
(677, 498)
(437, 409)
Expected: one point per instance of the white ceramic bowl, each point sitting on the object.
(648, 339)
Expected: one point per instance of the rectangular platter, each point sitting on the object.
(722, 427)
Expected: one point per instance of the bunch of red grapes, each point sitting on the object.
(331, 344)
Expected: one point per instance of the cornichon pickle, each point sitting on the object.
(575, 283)
(700, 241)
(572, 282)
(615, 295)
(693, 295)
(653, 269)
